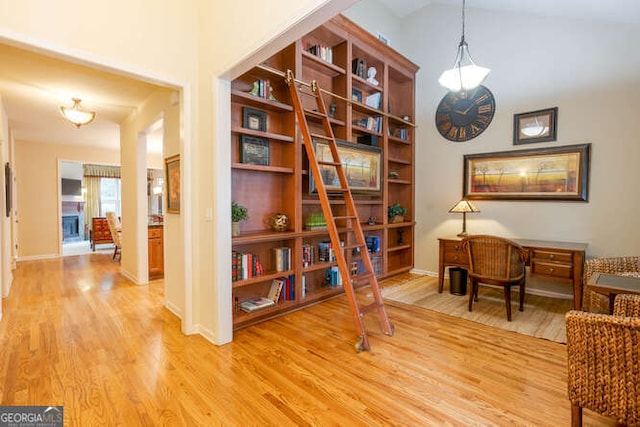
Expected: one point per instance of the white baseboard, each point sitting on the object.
(37, 257)
(173, 308)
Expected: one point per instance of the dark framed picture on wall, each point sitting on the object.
(254, 151)
(535, 126)
(254, 119)
(172, 174)
(553, 173)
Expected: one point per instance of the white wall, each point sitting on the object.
(587, 69)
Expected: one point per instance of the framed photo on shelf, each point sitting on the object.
(556, 173)
(361, 164)
(254, 119)
(356, 95)
(535, 126)
(254, 151)
(172, 178)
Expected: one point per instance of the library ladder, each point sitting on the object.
(349, 220)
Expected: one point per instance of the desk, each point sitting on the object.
(558, 261)
(611, 285)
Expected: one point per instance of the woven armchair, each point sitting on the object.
(603, 361)
(624, 266)
(495, 261)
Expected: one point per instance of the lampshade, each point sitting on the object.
(465, 74)
(464, 206)
(77, 115)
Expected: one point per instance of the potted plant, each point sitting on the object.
(238, 213)
(396, 213)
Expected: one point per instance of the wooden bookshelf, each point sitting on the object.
(327, 56)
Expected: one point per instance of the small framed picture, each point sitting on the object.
(254, 151)
(535, 126)
(356, 95)
(254, 119)
(172, 178)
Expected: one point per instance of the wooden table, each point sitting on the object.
(558, 261)
(611, 285)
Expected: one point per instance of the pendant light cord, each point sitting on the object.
(463, 19)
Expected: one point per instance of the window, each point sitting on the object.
(110, 196)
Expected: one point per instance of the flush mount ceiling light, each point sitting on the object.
(77, 115)
(465, 74)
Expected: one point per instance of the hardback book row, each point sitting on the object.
(245, 266)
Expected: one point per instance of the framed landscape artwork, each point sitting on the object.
(361, 164)
(172, 173)
(557, 173)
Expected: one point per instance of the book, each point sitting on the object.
(276, 289)
(256, 304)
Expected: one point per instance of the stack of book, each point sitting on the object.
(308, 255)
(333, 277)
(359, 67)
(245, 266)
(321, 51)
(370, 123)
(281, 258)
(326, 251)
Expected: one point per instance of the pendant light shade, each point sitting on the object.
(464, 74)
(76, 114)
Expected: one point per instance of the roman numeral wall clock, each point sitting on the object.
(462, 116)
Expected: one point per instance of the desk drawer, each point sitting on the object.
(454, 254)
(551, 269)
(552, 256)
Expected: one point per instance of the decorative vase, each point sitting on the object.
(235, 229)
(279, 222)
(396, 219)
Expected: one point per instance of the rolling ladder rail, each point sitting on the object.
(350, 218)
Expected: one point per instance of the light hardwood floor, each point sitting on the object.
(77, 333)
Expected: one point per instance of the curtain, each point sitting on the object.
(92, 176)
(92, 205)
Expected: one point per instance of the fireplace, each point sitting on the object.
(71, 226)
(73, 221)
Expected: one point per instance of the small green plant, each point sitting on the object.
(238, 212)
(396, 210)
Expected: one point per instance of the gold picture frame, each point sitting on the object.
(556, 173)
(172, 178)
(362, 165)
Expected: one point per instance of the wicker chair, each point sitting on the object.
(603, 361)
(624, 266)
(495, 261)
(116, 233)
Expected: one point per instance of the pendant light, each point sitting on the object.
(77, 115)
(465, 74)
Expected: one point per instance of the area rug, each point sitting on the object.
(543, 317)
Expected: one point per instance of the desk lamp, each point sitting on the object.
(463, 206)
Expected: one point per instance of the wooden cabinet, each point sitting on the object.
(156, 252)
(100, 233)
(270, 171)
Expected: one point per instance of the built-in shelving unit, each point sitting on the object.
(366, 113)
